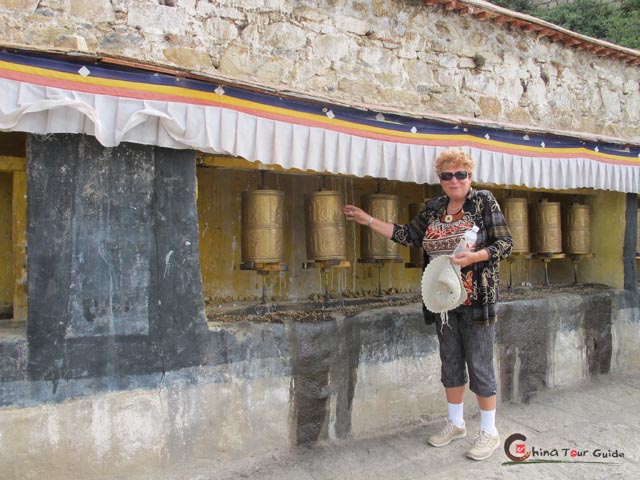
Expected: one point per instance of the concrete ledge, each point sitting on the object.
(269, 387)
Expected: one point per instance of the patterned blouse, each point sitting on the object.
(439, 234)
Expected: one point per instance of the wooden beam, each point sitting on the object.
(519, 23)
(452, 5)
(545, 32)
(570, 42)
(12, 164)
(532, 27)
(484, 15)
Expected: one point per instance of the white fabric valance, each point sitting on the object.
(292, 139)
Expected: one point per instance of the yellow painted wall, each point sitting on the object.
(13, 225)
(608, 227)
(530, 271)
(607, 236)
(219, 193)
(219, 209)
(221, 183)
(6, 259)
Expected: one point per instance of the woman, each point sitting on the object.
(466, 339)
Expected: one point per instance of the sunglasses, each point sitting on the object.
(460, 175)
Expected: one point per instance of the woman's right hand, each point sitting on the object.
(356, 214)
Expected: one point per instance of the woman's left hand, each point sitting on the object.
(464, 259)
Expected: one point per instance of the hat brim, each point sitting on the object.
(442, 287)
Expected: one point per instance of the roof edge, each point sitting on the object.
(482, 10)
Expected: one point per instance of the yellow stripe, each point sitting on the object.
(146, 87)
(246, 104)
(195, 94)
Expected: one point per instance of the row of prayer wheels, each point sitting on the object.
(550, 232)
(263, 227)
(546, 231)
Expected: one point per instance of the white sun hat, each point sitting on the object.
(442, 288)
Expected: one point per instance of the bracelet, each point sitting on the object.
(370, 221)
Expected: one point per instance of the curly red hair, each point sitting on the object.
(454, 158)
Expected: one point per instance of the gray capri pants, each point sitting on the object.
(463, 346)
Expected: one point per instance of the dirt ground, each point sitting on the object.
(318, 311)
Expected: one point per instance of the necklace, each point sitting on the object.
(449, 217)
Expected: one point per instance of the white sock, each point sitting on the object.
(488, 421)
(456, 414)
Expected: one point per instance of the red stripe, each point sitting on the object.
(147, 95)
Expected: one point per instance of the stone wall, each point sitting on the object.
(267, 387)
(401, 55)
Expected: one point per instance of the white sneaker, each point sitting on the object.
(484, 446)
(448, 433)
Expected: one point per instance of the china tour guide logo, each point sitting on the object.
(516, 449)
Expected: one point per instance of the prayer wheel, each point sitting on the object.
(263, 226)
(416, 254)
(372, 245)
(516, 214)
(548, 227)
(578, 230)
(325, 222)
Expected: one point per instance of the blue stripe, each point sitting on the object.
(392, 122)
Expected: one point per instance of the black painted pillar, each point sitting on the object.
(630, 243)
(113, 259)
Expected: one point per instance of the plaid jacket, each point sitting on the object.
(494, 236)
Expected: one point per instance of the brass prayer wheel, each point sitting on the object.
(372, 245)
(578, 229)
(325, 226)
(516, 214)
(416, 254)
(548, 227)
(263, 226)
